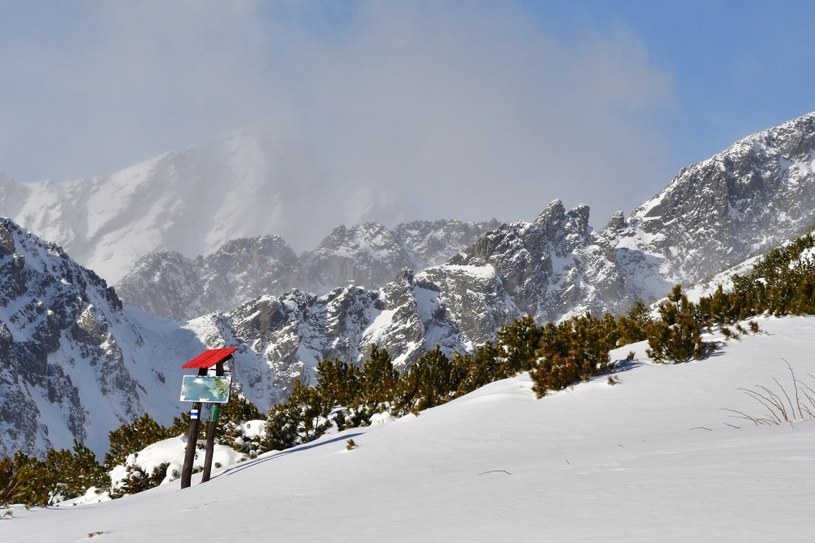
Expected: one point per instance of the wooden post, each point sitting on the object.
(192, 440)
(214, 412)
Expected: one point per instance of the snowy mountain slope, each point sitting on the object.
(249, 183)
(366, 255)
(171, 285)
(369, 255)
(653, 458)
(77, 363)
(455, 307)
(67, 351)
(754, 196)
(748, 198)
(81, 362)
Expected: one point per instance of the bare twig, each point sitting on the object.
(789, 401)
(745, 416)
(780, 405)
(795, 382)
(496, 471)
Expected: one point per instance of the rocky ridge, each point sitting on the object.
(366, 255)
(73, 363)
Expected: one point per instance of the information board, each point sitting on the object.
(206, 388)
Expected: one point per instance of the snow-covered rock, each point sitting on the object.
(169, 284)
(755, 195)
(750, 198)
(75, 363)
(366, 255)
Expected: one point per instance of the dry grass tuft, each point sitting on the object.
(782, 406)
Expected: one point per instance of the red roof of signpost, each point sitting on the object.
(209, 358)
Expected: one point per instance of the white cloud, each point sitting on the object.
(476, 112)
(425, 109)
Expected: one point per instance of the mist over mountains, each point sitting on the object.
(250, 183)
(81, 362)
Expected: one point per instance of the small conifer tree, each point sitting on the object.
(516, 344)
(431, 381)
(134, 436)
(677, 337)
(379, 378)
(300, 419)
(633, 325)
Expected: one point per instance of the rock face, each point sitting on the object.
(747, 199)
(553, 266)
(174, 286)
(456, 307)
(77, 363)
(65, 370)
(751, 197)
(366, 255)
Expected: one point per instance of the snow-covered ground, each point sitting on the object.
(656, 457)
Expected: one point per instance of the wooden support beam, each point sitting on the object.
(214, 412)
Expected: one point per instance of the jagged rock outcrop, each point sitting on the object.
(752, 197)
(174, 286)
(455, 307)
(552, 266)
(78, 363)
(60, 358)
(366, 255)
(747, 199)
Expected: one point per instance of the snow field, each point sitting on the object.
(652, 458)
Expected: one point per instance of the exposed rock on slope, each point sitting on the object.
(366, 255)
(745, 200)
(748, 199)
(77, 363)
(456, 307)
(174, 286)
(66, 351)
(553, 266)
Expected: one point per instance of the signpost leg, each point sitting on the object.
(214, 412)
(192, 442)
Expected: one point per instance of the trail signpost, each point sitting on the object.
(200, 389)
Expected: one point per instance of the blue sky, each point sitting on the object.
(428, 105)
(736, 66)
